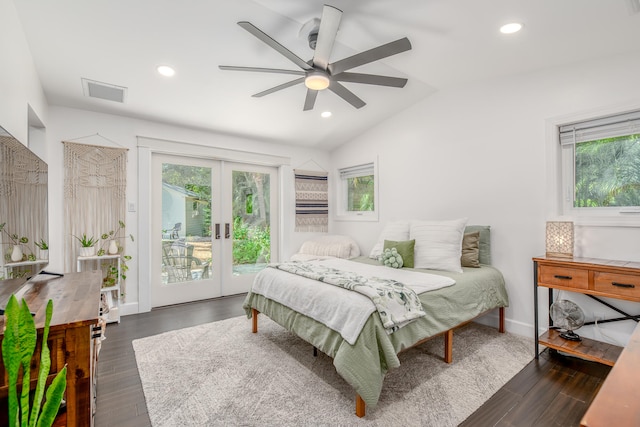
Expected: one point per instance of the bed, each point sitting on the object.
(364, 362)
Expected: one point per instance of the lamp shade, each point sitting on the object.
(559, 242)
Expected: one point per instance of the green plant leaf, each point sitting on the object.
(45, 366)
(27, 338)
(11, 356)
(54, 397)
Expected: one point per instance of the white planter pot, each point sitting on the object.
(90, 251)
(113, 247)
(16, 253)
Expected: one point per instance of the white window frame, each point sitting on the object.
(342, 214)
(561, 182)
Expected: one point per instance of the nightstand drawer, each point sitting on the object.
(562, 276)
(618, 284)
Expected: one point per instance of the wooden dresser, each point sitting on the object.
(76, 305)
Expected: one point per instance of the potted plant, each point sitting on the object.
(113, 248)
(43, 247)
(16, 245)
(112, 238)
(18, 347)
(87, 245)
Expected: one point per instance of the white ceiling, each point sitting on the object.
(455, 42)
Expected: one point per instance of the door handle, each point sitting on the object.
(217, 232)
(227, 232)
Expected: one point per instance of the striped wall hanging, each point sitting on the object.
(312, 200)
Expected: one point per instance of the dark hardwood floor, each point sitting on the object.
(552, 391)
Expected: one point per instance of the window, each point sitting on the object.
(357, 192)
(601, 166)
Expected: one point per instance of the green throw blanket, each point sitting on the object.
(396, 303)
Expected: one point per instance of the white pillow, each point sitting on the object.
(438, 244)
(394, 230)
(332, 246)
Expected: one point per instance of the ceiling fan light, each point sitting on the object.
(316, 81)
(511, 28)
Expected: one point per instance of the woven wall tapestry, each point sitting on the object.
(312, 200)
(95, 185)
(23, 182)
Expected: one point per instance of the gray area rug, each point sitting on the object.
(220, 374)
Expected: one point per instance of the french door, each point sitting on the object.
(214, 226)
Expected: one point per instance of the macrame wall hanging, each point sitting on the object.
(23, 182)
(312, 200)
(95, 187)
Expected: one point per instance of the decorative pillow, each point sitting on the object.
(471, 250)
(438, 244)
(391, 258)
(331, 245)
(485, 241)
(394, 230)
(405, 250)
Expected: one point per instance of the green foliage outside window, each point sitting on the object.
(360, 193)
(607, 172)
(251, 243)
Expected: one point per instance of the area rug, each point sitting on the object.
(221, 374)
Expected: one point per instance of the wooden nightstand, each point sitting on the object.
(595, 278)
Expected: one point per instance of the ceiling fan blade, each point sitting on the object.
(262, 70)
(346, 94)
(275, 45)
(370, 79)
(310, 100)
(279, 87)
(329, 24)
(370, 55)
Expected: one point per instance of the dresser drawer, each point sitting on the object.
(561, 276)
(626, 285)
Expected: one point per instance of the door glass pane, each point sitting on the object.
(251, 219)
(186, 223)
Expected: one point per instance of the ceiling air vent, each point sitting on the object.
(106, 91)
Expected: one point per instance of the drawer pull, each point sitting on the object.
(623, 285)
(563, 277)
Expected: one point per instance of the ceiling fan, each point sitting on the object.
(318, 74)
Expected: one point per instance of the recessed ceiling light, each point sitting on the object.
(165, 70)
(511, 28)
(326, 114)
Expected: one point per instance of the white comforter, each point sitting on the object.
(340, 309)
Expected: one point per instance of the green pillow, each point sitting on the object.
(405, 249)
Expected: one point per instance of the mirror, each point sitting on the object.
(24, 231)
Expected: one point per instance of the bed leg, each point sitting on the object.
(448, 346)
(254, 319)
(501, 324)
(360, 406)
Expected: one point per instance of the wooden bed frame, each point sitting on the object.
(448, 345)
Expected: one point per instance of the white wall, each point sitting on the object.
(19, 83)
(73, 124)
(481, 152)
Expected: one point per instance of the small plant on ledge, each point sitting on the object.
(113, 248)
(42, 245)
(87, 244)
(112, 237)
(16, 243)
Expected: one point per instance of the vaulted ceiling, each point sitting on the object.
(455, 42)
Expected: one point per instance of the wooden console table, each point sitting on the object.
(589, 276)
(76, 306)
